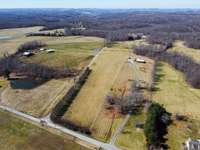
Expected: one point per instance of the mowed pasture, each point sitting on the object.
(15, 134)
(89, 102)
(175, 94)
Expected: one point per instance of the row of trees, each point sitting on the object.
(155, 127)
(180, 62)
(65, 103)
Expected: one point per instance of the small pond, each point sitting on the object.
(25, 83)
(5, 37)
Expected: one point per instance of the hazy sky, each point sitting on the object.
(99, 3)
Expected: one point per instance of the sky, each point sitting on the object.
(100, 4)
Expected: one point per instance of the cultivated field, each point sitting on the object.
(16, 134)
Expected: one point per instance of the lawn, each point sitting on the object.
(182, 49)
(180, 131)
(132, 138)
(16, 134)
(71, 55)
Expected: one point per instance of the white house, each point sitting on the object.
(192, 144)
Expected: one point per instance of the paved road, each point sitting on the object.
(119, 130)
(50, 124)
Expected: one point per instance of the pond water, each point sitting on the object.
(5, 37)
(25, 83)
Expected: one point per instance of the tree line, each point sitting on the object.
(65, 103)
(183, 63)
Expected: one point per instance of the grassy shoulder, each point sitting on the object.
(16, 134)
(131, 137)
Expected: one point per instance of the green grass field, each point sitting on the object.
(132, 138)
(71, 55)
(16, 134)
(178, 97)
(174, 92)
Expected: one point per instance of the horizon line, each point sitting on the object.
(98, 8)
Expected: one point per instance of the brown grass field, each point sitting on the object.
(91, 98)
(15, 134)
(38, 101)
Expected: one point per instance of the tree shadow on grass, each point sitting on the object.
(158, 77)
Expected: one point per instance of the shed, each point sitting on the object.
(50, 50)
(27, 54)
(140, 60)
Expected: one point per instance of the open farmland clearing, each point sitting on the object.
(70, 55)
(175, 94)
(19, 35)
(40, 100)
(178, 96)
(91, 98)
(110, 72)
